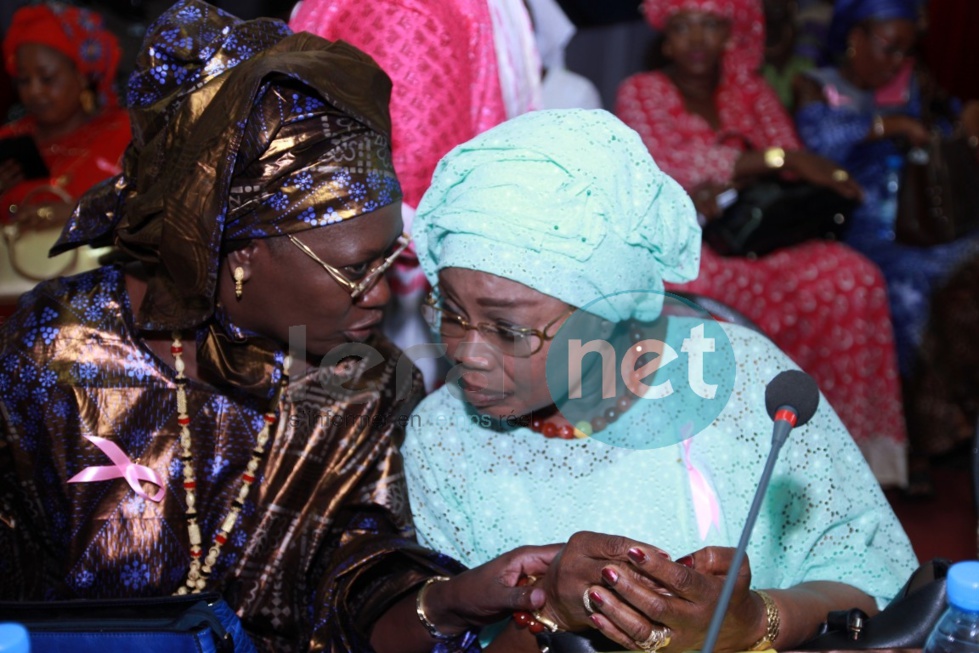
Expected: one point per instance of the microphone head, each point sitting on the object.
(796, 389)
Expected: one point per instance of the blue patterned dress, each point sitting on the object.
(329, 507)
(838, 128)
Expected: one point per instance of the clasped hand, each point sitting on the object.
(635, 589)
(632, 590)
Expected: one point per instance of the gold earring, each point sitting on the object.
(239, 275)
(87, 100)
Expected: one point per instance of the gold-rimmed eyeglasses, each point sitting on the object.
(357, 288)
(510, 339)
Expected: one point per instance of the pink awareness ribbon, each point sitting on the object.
(123, 467)
(705, 504)
(834, 98)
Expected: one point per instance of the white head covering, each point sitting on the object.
(516, 52)
(553, 29)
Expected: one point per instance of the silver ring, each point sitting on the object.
(589, 608)
(658, 638)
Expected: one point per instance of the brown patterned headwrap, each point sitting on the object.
(241, 129)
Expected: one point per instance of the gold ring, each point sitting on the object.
(589, 608)
(840, 175)
(658, 638)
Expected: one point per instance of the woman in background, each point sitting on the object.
(64, 63)
(783, 63)
(711, 122)
(556, 226)
(257, 195)
(863, 113)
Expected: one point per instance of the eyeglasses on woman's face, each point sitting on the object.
(511, 339)
(363, 281)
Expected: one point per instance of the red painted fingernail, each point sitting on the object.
(637, 555)
(596, 598)
(686, 561)
(610, 576)
(664, 555)
(595, 620)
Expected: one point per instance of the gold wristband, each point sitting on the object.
(420, 610)
(774, 158)
(772, 620)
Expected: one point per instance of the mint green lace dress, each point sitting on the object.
(476, 493)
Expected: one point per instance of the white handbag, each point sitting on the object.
(24, 251)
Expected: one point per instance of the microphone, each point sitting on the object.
(791, 399)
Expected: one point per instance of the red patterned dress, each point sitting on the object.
(77, 161)
(822, 303)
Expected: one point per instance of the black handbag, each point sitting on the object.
(195, 623)
(773, 214)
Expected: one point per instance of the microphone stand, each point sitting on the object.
(779, 435)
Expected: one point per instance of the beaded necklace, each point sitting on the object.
(199, 571)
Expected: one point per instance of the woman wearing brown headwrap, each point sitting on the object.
(151, 440)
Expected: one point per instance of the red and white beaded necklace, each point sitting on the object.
(199, 571)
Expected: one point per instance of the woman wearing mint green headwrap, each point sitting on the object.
(557, 230)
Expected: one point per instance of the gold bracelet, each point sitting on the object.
(420, 610)
(772, 620)
(774, 158)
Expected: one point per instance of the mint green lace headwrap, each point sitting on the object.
(568, 202)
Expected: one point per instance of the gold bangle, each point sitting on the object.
(420, 610)
(773, 621)
(774, 158)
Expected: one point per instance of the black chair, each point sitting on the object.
(905, 622)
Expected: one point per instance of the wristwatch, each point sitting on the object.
(774, 158)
